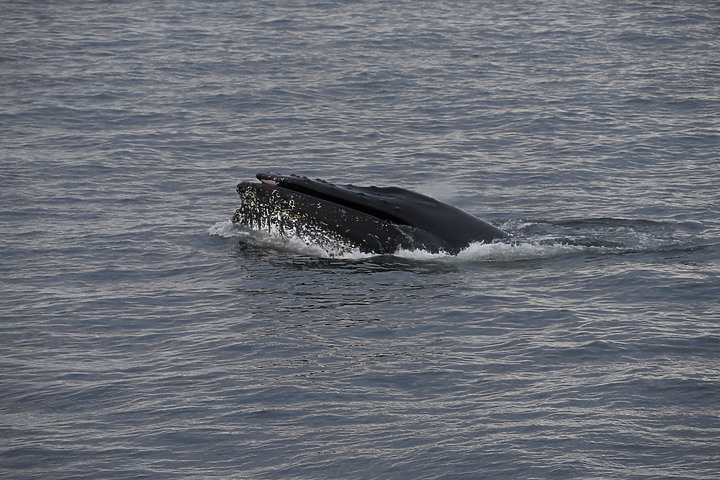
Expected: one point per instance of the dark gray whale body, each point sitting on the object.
(377, 220)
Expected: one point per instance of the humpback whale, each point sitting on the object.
(341, 218)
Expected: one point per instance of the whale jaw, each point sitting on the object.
(332, 227)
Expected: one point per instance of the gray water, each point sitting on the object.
(143, 336)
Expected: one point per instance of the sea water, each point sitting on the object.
(142, 335)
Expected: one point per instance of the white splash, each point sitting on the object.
(552, 241)
(496, 252)
(226, 229)
(289, 241)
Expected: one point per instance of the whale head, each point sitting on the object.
(346, 217)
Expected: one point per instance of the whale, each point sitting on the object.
(345, 218)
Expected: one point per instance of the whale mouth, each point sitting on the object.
(344, 196)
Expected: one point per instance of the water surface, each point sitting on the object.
(141, 335)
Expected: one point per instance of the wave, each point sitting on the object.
(532, 240)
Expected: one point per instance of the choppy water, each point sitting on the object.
(142, 336)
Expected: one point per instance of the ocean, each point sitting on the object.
(143, 335)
